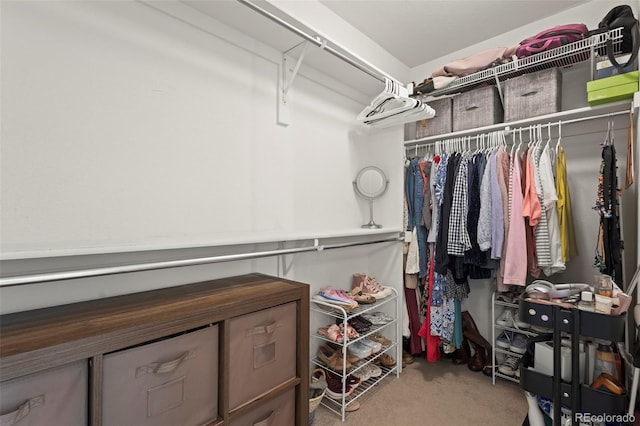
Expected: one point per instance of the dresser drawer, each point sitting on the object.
(54, 397)
(279, 411)
(263, 352)
(168, 382)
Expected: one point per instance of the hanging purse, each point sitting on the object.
(620, 16)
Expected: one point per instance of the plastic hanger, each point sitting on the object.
(559, 136)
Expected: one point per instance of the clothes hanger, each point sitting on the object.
(549, 134)
(559, 136)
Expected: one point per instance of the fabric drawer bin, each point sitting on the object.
(263, 352)
(54, 397)
(534, 94)
(612, 89)
(476, 108)
(165, 383)
(438, 125)
(280, 411)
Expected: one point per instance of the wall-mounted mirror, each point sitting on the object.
(370, 183)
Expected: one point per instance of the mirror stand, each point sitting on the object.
(371, 224)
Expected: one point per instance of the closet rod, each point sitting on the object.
(317, 40)
(122, 269)
(509, 129)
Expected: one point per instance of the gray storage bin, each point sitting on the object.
(534, 94)
(164, 383)
(263, 352)
(53, 397)
(438, 125)
(280, 410)
(477, 108)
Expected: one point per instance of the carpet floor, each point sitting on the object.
(435, 394)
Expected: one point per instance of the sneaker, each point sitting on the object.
(369, 285)
(334, 386)
(509, 366)
(375, 346)
(518, 344)
(519, 323)
(338, 295)
(504, 339)
(506, 318)
(360, 350)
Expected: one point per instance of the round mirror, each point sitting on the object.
(370, 183)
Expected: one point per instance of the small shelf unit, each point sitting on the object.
(339, 406)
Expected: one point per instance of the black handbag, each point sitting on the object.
(620, 16)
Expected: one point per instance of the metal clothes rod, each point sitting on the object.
(375, 73)
(509, 129)
(123, 269)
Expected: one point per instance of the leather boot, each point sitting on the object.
(462, 354)
(480, 344)
(478, 360)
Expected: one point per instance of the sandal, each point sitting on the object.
(377, 337)
(357, 295)
(351, 332)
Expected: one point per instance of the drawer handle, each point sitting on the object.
(263, 329)
(268, 421)
(23, 411)
(472, 107)
(164, 367)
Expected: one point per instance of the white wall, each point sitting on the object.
(126, 131)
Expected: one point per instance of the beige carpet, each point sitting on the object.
(435, 394)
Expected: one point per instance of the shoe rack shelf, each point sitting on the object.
(580, 397)
(340, 407)
(497, 329)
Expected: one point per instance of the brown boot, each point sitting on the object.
(482, 347)
(478, 360)
(462, 354)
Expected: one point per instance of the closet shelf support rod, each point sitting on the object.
(140, 267)
(375, 73)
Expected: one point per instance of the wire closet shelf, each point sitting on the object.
(563, 56)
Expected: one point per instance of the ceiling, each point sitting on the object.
(405, 27)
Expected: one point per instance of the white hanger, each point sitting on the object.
(559, 136)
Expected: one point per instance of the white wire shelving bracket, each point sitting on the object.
(563, 56)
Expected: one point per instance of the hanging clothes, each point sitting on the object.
(569, 247)
(484, 221)
(609, 259)
(550, 199)
(515, 268)
(543, 248)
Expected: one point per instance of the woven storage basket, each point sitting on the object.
(315, 402)
(533, 94)
(477, 108)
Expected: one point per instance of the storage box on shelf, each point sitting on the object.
(441, 123)
(390, 329)
(611, 89)
(533, 94)
(477, 108)
(229, 351)
(580, 397)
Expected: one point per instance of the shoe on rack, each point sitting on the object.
(360, 350)
(518, 344)
(506, 318)
(386, 360)
(334, 386)
(505, 297)
(361, 325)
(375, 346)
(338, 295)
(509, 366)
(518, 322)
(370, 286)
(351, 357)
(377, 337)
(504, 339)
(332, 358)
